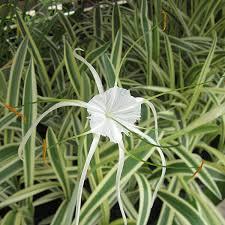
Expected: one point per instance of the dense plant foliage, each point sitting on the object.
(169, 52)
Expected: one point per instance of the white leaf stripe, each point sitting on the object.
(28, 192)
(58, 162)
(182, 208)
(145, 199)
(29, 114)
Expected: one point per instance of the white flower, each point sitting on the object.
(111, 113)
(107, 108)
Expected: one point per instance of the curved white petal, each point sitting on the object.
(161, 177)
(151, 141)
(118, 177)
(34, 125)
(83, 176)
(152, 107)
(92, 69)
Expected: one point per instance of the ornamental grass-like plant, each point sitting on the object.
(144, 143)
(112, 113)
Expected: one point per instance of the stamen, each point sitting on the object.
(199, 169)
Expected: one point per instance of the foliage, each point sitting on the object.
(176, 61)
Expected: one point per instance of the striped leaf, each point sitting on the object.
(12, 218)
(6, 120)
(109, 71)
(170, 62)
(72, 68)
(14, 81)
(16, 74)
(182, 208)
(144, 200)
(97, 23)
(202, 77)
(30, 115)
(95, 54)
(116, 21)
(213, 114)
(59, 215)
(37, 56)
(58, 163)
(10, 169)
(28, 192)
(121, 222)
(204, 175)
(68, 27)
(167, 214)
(147, 32)
(117, 52)
(3, 86)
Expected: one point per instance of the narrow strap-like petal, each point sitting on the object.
(151, 141)
(161, 177)
(152, 107)
(92, 69)
(83, 176)
(118, 177)
(34, 125)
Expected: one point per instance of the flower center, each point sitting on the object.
(109, 115)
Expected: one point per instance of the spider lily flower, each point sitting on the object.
(111, 113)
